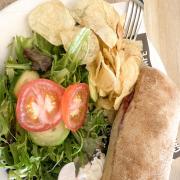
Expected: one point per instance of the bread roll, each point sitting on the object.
(144, 131)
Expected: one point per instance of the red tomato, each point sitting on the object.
(39, 105)
(74, 105)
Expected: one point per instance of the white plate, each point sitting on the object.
(13, 21)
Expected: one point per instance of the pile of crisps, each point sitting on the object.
(113, 62)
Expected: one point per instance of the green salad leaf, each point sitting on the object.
(18, 154)
(65, 70)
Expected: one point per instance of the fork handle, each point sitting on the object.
(139, 2)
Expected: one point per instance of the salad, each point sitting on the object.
(61, 88)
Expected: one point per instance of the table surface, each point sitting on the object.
(162, 20)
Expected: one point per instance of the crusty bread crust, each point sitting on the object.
(141, 145)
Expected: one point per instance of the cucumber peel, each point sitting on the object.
(24, 78)
(50, 137)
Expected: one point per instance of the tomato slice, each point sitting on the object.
(39, 105)
(74, 105)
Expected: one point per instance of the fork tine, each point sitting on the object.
(128, 18)
(133, 21)
(139, 23)
(136, 22)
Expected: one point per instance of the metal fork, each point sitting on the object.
(133, 19)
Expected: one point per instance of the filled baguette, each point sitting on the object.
(144, 130)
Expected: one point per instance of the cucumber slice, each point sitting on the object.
(24, 78)
(51, 137)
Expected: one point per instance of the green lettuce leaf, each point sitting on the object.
(18, 154)
(65, 70)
